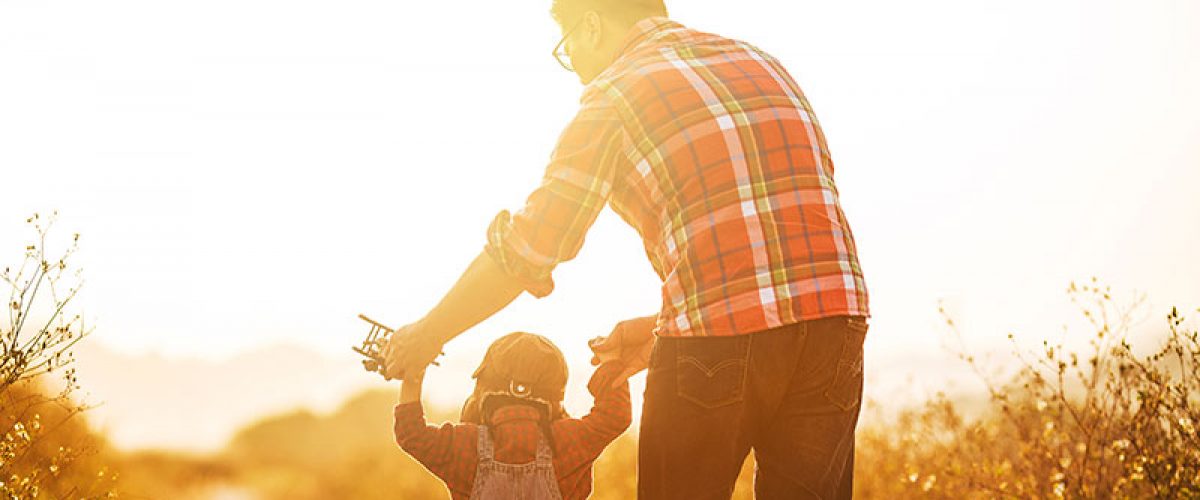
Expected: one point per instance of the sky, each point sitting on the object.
(253, 173)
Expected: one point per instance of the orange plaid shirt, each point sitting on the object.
(709, 149)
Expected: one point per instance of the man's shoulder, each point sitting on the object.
(666, 56)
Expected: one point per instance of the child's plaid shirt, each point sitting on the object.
(449, 451)
(709, 149)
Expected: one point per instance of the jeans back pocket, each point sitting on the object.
(845, 390)
(711, 372)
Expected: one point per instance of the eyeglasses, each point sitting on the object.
(560, 51)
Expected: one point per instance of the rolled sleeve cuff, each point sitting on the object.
(505, 248)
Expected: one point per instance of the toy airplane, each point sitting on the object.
(372, 347)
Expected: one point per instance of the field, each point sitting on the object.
(1115, 420)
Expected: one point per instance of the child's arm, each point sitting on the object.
(438, 448)
(587, 437)
(611, 412)
(410, 389)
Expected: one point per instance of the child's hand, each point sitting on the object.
(600, 357)
(629, 343)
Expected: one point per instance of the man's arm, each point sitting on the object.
(524, 247)
(482, 290)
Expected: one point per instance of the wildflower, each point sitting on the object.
(929, 482)
(1138, 470)
(1185, 425)
(21, 432)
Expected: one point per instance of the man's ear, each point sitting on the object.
(593, 29)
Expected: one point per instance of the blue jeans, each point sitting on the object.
(792, 394)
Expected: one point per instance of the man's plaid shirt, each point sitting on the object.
(450, 451)
(709, 149)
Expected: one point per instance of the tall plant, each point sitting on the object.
(43, 451)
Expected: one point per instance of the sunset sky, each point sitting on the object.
(257, 172)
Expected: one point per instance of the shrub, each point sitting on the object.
(1106, 422)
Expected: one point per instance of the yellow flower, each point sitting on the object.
(929, 482)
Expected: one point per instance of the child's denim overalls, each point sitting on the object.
(497, 480)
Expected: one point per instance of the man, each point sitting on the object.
(709, 149)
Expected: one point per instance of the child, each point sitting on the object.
(515, 440)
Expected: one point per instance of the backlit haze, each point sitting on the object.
(249, 175)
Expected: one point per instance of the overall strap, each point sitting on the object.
(544, 454)
(484, 448)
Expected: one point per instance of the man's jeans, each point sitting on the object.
(791, 393)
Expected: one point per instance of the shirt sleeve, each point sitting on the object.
(611, 414)
(551, 226)
(438, 448)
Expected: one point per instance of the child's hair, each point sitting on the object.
(519, 368)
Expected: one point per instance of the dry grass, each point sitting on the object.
(1107, 422)
(1115, 419)
(47, 450)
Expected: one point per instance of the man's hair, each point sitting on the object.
(565, 11)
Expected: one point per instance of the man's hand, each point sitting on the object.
(630, 343)
(410, 349)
